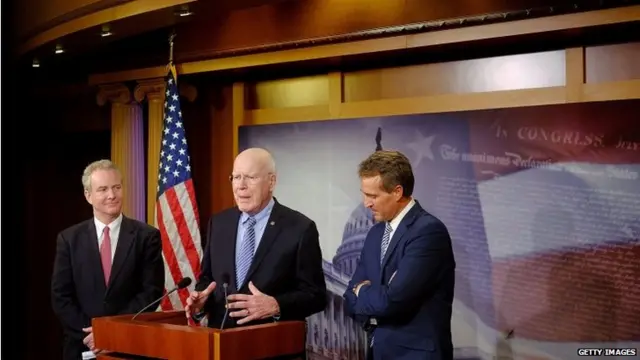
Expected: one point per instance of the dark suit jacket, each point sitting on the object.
(78, 288)
(413, 310)
(287, 265)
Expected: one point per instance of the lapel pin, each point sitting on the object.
(272, 223)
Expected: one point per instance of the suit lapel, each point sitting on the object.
(406, 222)
(90, 243)
(268, 238)
(125, 240)
(228, 239)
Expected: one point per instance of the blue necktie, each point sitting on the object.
(386, 238)
(245, 256)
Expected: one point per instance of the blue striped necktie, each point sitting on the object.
(386, 238)
(245, 256)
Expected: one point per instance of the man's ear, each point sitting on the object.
(272, 182)
(87, 196)
(397, 192)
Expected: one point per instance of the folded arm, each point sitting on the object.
(309, 297)
(152, 275)
(63, 293)
(425, 257)
(359, 276)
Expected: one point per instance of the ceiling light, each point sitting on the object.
(59, 49)
(35, 63)
(184, 11)
(106, 30)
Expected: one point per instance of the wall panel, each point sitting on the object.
(615, 62)
(292, 92)
(512, 72)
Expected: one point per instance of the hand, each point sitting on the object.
(88, 340)
(253, 307)
(356, 289)
(196, 300)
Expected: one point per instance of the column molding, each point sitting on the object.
(154, 92)
(127, 144)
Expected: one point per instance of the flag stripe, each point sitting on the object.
(172, 269)
(180, 203)
(180, 268)
(196, 215)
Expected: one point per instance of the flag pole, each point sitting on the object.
(171, 37)
(170, 66)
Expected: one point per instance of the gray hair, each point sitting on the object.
(96, 165)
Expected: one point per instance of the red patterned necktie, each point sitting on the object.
(105, 255)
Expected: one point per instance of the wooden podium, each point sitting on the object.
(166, 335)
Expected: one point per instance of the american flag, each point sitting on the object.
(176, 208)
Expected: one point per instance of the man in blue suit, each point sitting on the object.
(402, 289)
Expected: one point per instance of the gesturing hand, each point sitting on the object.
(252, 307)
(196, 300)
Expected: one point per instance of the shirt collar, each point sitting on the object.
(113, 226)
(264, 213)
(396, 221)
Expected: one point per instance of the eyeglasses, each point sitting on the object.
(247, 178)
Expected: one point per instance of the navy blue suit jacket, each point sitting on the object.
(412, 309)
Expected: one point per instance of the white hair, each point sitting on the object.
(96, 165)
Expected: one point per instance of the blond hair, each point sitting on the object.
(94, 166)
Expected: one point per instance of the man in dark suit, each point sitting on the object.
(84, 283)
(269, 254)
(402, 289)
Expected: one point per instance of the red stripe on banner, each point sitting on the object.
(167, 249)
(192, 195)
(165, 304)
(183, 229)
(579, 295)
(176, 213)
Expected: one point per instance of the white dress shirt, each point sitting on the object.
(114, 232)
(396, 221)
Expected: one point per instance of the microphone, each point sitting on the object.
(225, 284)
(197, 317)
(181, 285)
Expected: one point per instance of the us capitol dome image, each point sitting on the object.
(332, 334)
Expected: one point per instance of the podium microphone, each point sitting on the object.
(181, 285)
(225, 284)
(197, 317)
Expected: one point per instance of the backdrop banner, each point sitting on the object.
(542, 203)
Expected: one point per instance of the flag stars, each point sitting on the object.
(174, 159)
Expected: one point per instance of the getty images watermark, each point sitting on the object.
(607, 352)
